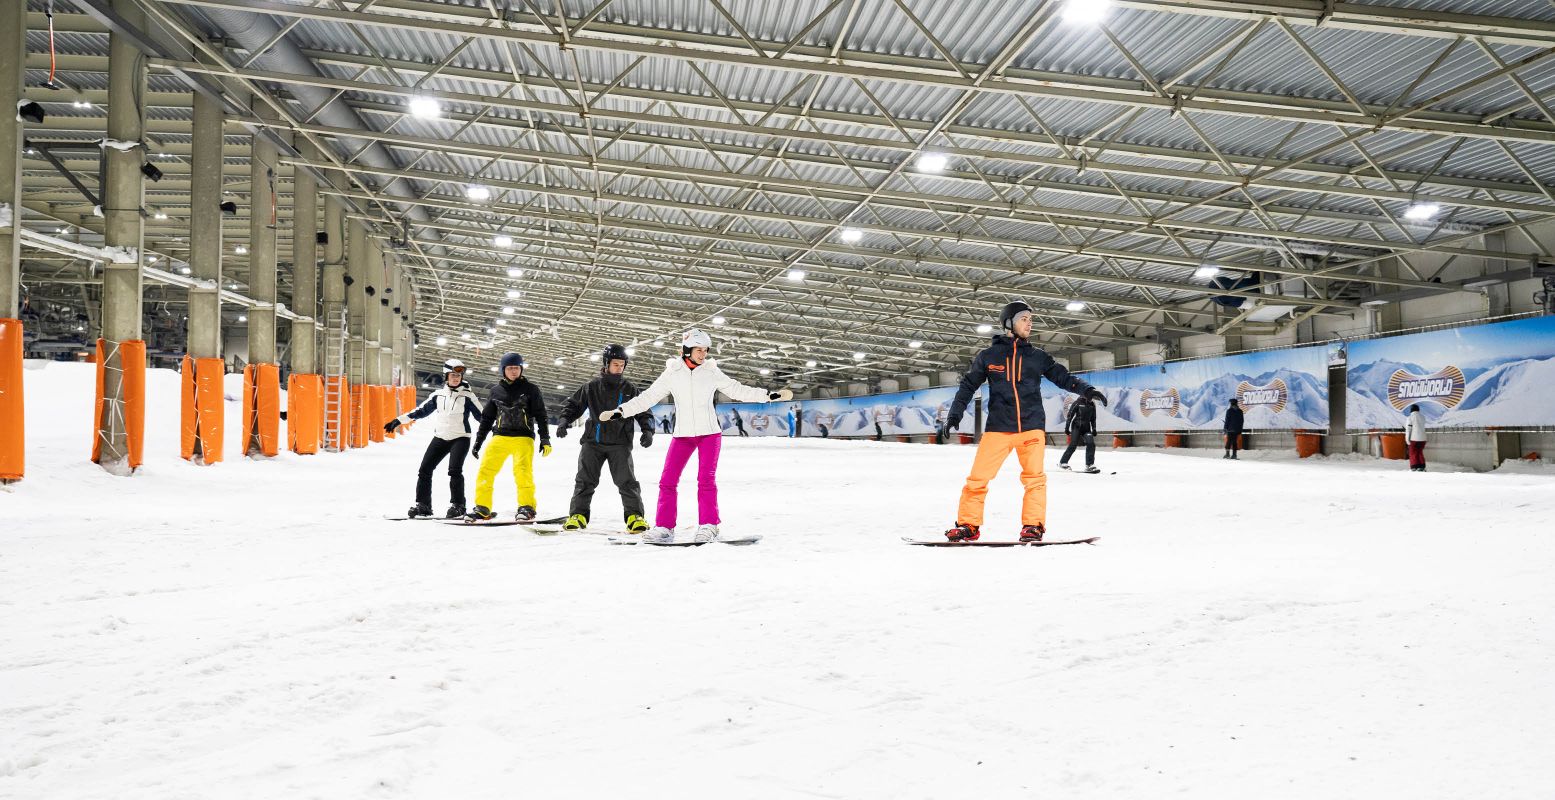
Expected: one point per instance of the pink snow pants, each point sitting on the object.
(681, 447)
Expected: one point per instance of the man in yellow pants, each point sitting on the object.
(1014, 369)
(515, 415)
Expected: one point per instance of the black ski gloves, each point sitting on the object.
(646, 440)
(561, 429)
(476, 450)
(388, 427)
(783, 395)
(1095, 394)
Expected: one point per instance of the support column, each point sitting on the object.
(389, 320)
(262, 215)
(305, 292)
(357, 271)
(123, 231)
(13, 53)
(203, 422)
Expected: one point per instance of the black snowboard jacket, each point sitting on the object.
(605, 394)
(1014, 371)
(514, 408)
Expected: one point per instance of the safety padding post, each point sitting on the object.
(1119, 440)
(374, 404)
(131, 361)
(202, 410)
(13, 452)
(407, 400)
(304, 413)
(261, 410)
(1174, 440)
(1308, 444)
(358, 416)
(1393, 447)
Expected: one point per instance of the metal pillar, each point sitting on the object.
(356, 303)
(204, 330)
(305, 283)
(389, 321)
(372, 308)
(262, 215)
(13, 55)
(123, 226)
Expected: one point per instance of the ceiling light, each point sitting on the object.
(560, 387)
(442, 340)
(464, 336)
(558, 362)
(515, 273)
(185, 270)
(810, 364)
(1422, 211)
(796, 275)
(491, 330)
(159, 215)
(425, 108)
(1206, 271)
(477, 193)
(242, 318)
(502, 322)
(493, 368)
(719, 320)
(858, 356)
(502, 240)
(851, 235)
(753, 302)
(80, 103)
(593, 356)
(151, 259)
(240, 250)
(631, 351)
(1086, 12)
(915, 344)
(515, 293)
(765, 371)
(509, 310)
(1075, 305)
(657, 343)
(985, 328)
(932, 162)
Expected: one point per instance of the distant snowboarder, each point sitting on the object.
(1080, 424)
(1415, 437)
(1232, 428)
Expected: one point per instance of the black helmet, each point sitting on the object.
(611, 353)
(1008, 313)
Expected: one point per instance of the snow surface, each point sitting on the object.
(1269, 628)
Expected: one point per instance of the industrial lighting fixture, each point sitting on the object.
(765, 371)
(1421, 211)
(719, 320)
(515, 293)
(593, 356)
(631, 351)
(932, 162)
(240, 250)
(502, 240)
(28, 111)
(80, 102)
(242, 318)
(657, 343)
(502, 322)
(1374, 303)
(491, 331)
(753, 302)
(558, 362)
(464, 336)
(796, 275)
(858, 356)
(1086, 12)
(985, 328)
(159, 215)
(515, 273)
(425, 108)
(851, 235)
(477, 193)
(509, 310)
(560, 387)
(184, 270)
(1207, 271)
(810, 364)
(494, 368)
(150, 171)
(915, 344)
(442, 340)
(1075, 305)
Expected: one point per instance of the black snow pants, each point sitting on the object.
(455, 450)
(591, 458)
(1090, 448)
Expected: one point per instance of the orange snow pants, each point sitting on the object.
(991, 453)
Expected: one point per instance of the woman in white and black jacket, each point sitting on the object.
(451, 408)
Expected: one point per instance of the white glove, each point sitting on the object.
(780, 395)
(606, 416)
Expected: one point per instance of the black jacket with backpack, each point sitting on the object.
(1233, 423)
(1081, 419)
(605, 393)
(514, 408)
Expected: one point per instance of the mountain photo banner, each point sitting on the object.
(1277, 389)
(1496, 375)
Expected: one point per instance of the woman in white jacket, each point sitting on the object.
(692, 380)
(1414, 438)
(451, 409)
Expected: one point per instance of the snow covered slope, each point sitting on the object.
(1264, 628)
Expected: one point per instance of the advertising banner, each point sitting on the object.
(1277, 389)
(1500, 374)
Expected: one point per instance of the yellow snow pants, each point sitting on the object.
(496, 453)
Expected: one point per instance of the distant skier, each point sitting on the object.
(1415, 437)
(515, 413)
(739, 424)
(664, 423)
(1232, 428)
(606, 441)
(1015, 421)
(1080, 424)
(693, 380)
(451, 407)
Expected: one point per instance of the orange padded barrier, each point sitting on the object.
(1308, 444)
(304, 413)
(261, 409)
(1174, 440)
(375, 413)
(1393, 446)
(202, 409)
(358, 416)
(132, 362)
(12, 439)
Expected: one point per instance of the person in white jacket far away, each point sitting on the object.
(692, 380)
(1415, 438)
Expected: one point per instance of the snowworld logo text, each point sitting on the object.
(1444, 387)
(1274, 395)
(1167, 402)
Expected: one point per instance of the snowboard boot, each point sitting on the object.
(1032, 533)
(576, 522)
(480, 513)
(963, 533)
(706, 533)
(419, 510)
(1090, 469)
(636, 524)
(525, 514)
(1062, 465)
(455, 511)
(660, 535)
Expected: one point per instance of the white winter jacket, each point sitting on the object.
(1414, 428)
(693, 390)
(451, 411)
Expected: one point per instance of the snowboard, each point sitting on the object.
(506, 520)
(402, 518)
(996, 543)
(742, 541)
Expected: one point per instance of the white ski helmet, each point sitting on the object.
(696, 337)
(452, 365)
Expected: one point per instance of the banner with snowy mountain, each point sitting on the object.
(1502, 374)
(1277, 389)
